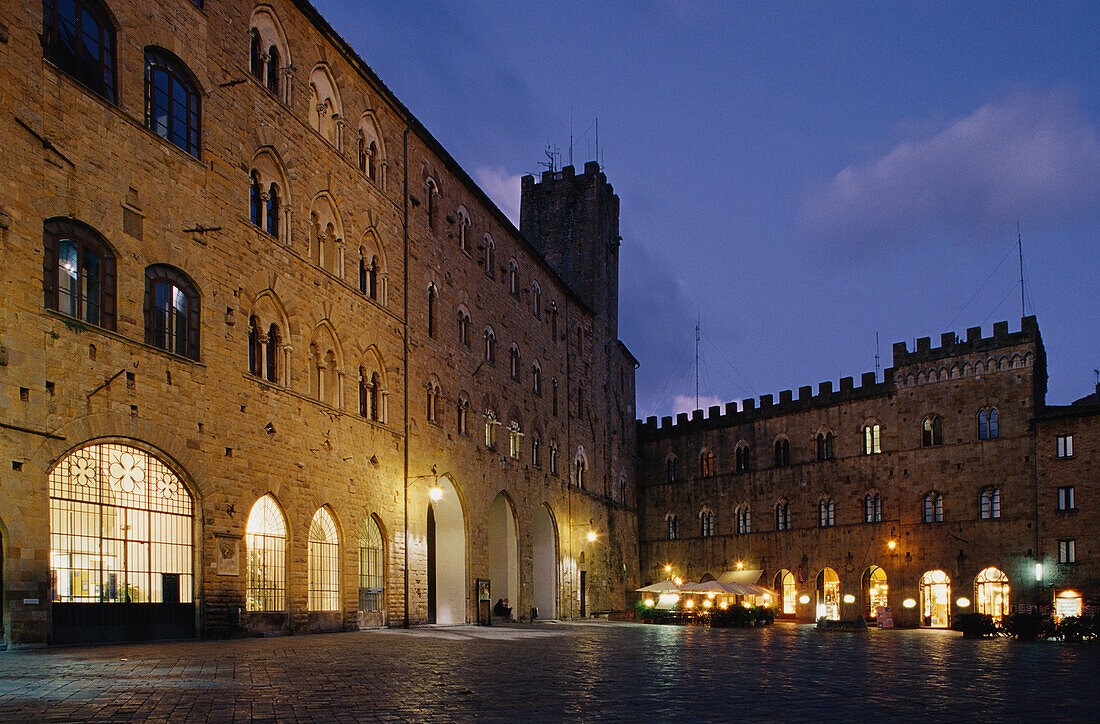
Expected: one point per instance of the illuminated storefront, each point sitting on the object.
(874, 591)
(991, 588)
(828, 595)
(935, 599)
(1067, 604)
(785, 586)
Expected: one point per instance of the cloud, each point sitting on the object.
(502, 187)
(1033, 158)
(686, 403)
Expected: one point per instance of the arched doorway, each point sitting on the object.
(371, 575)
(935, 599)
(446, 542)
(828, 595)
(504, 553)
(874, 591)
(545, 564)
(991, 588)
(785, 585)
(121, 547)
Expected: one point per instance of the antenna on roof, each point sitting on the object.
(549, 162)
(570, 135)
(1020, 248)
(698, 322)
(876, 355)
(597, 139)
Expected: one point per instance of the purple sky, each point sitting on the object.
(797, 175)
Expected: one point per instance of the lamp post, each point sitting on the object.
(435, 493)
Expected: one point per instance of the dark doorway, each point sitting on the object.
(584, 597)
(431, 565)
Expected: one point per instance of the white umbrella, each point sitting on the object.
(705, 587)
(665, 586)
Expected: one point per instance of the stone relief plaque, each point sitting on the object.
(228, 551)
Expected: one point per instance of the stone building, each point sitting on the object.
(270, 360)
(943, 488)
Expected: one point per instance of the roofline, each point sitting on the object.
(432, 142)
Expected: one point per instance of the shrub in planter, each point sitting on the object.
(1029, 626)
(1074, 628)
(975, 625)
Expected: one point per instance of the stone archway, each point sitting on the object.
(504, 552)
(545, 565)
(446, 542)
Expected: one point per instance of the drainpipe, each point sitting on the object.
(405, 341)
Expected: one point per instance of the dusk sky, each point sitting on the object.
(799, 176)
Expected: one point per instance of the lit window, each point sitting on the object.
(1065, 446)
(871, 439)
(553, 459)
(490, 429)
(1066, 498)
(171, 311)
(79, 277)
(370, 566)
(706, 464)
(514, 436)
(78, 37)
(931, 431)
(324, 563)
(989, 503)
(1067, 551)
(120, 528)
(265, 543)
(173, 102)
(933, 508)
(463, 415)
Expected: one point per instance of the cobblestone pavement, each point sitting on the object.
(559, 671)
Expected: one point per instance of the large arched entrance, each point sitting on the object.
(935, 599)
(828, 595)
(121, 547)
(446, 539)
(875, 589)
(504, 553)
(545, 564)
(991, 589)
(785, 586)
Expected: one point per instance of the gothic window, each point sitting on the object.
(372, 165)
(78, 37)
(273, 70)
(513, 278)
(255, 347)
(580, 467)
(272, 351)
(432, 397)
(370, 566)
(744, 519)
(429, 206)
(463, 328)
(78, 272)
(490, 347)
(431, 310)
(273, 210)
(825, 442)
(536, 299)
(536, 451)
(553, 459)
(514, 436)
(536, 380)
(671, 464)
(491, 429)
(490, 256)
(782, 515)
(554, 396)
(826, 511)
(324, 563)
(987, 424)
(370, 395)
(256, 55)
(673, 526)
(989, 503)
(361, 151)
(255, 200)
(706, 523)
(554, 322)
(173, 101)
(871, 439)
(325, 115)
(171, 311)
(706, 464)
(932, 504)
(265, 547)
(872, 508)
(782, 452)
(463, 230)
(463, 415)
(513, 362)
(121, 528)
(931, 431)
(742, 459)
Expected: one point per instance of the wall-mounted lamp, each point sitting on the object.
(1039, 572)
(591, 536)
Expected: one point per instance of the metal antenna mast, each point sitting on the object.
(876, 355)
(697, 324)
(1020, 248)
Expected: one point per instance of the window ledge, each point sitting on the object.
(77, 326)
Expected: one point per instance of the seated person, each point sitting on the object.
(502, 609)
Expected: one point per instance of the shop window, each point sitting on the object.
(265, 545)
(324, 563)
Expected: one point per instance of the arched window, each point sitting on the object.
(782, 452)
(324, 563)
(987, 424)
(171, 311)
(490, 256)
(673, 526)
(370, 566)
(463, 415)
(744, 519)
(173, 102)
(536, 451)
(671, 465)
(581, 470)
(514, 437)
(490, 347)
(513, 278)
(430, 192)
(553, 458)
(536, 299)
(272, 349)
(825, 445)
(931, 431)
(706, 523)
(273, 210)
(362, 273)
(372, 155)
(872, 508)
(536, 379)
(871, 439)
(513, 362)
(256, 56)
(742, 459)
(463, 328)
(78, 272)
(989, 503)
(434, 394)
(991, 586)
(706, 464)
(431, 310)
(265, 545)
(782, 515)
(120, 528)
(78, 37)
(255, 200)
(491, 429)
(255, 347)
(826, 513)
(273, 70)
(994, 424)
(361, 151)
(554, 322)
(932, 504)
(370, 395)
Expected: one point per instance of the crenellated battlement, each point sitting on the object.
(951, 345)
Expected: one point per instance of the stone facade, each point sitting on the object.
(967, 500)
(359, 241)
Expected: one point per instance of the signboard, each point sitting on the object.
(483, 589)
(885, 616)
(228, 562)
